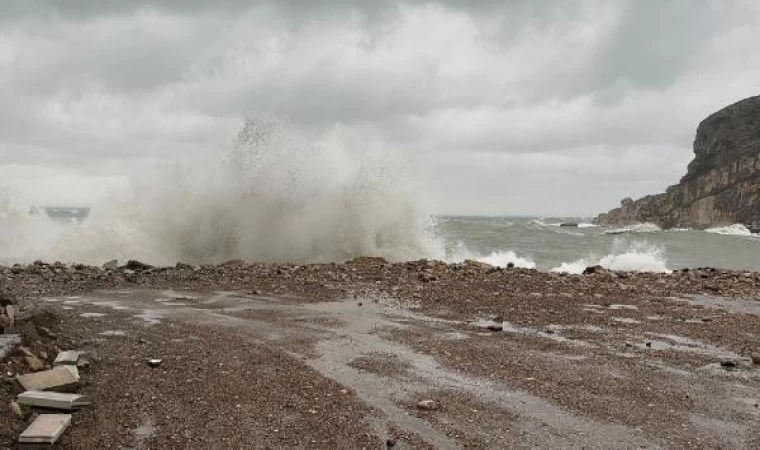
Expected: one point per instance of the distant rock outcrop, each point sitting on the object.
(721, 185)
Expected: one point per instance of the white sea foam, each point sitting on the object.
(273, 197)
(635, 257)
(636, 228)
(587, 225)
(503, 258)
(736, 229)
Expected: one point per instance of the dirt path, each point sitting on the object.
(251, 371)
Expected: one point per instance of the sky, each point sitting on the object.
(500, 107)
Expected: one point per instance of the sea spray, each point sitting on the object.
(635, 256)
(274, 196)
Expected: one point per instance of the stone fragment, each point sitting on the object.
(67, 358)
(53, 400)
(60, 378)
(428, 405)
(111, 265)
(35, 365)
(17, 411)
(756, 358)
(155, 363)
(7, 343)
(10, 311)
(46, 429)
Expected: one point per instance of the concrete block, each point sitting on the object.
(68, 358)
(53, 400)
(46, 429)
(58, 378)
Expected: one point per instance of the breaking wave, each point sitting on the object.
(736, 229)
(637, 257)
(637, 228)
(504, 258)
(273, 197)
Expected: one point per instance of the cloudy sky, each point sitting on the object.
(501, 107)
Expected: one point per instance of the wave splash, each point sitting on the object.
(633, 257)
(736, 229)
(273, 197)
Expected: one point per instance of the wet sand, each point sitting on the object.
(339, 356)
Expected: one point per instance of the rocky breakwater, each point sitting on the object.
(721, 185)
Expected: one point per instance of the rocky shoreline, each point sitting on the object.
(722, 184)
(453, 313)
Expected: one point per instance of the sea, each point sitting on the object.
(275, 196)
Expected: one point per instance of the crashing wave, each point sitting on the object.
(736, 229)
(273, 197)
(636, 228)
(637, 257)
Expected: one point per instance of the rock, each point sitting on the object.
(137, 266)
(594, 269)
(35, 365)
(70, 358)
(756, 358)
(496, 327)
(477, 264)
(53, 400)
(5, 300)
(10, 311)
(7, 343)
(111, 265)
(46, 429)
(428, 405)
(154, 363)
(728, 364)
(29, 332)
(390, 443)
(59, 378)
(569, 224)
(183, 266)
(721, 185)
(18, 411)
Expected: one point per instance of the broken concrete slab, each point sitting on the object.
(67, 358)
(59, 378)
(7, 343)
(53, 400)
(46, 429)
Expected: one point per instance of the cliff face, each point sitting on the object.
(721, 185)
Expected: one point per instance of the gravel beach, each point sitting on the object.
(371, 354)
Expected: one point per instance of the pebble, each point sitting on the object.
(16, 408)
(428, 405)
(756, 358)
(155, 363)
(390, 443)
(728, 364)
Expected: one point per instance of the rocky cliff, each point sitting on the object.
(721, 185)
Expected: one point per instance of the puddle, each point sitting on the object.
(115, 305)
(627, 320)
(618, 307)
(533, 332)
(684, 344)
(92, 315)
(151, 316)
(731, 305)
(114, 333)
(144, 433)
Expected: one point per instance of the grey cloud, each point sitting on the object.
(538, 81)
